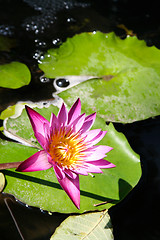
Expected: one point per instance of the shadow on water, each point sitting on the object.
(136, 217)
(21, 222)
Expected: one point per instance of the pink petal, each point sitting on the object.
(41, 139)
(81, 170)
(71, 187)
(75, 111)
(103, 164)
(92, 168)
(59, 172)
(54, 125)
(78, 122)
(36, 162)
(53, 120)
(62, 115)
(91, 134)
(95, 156)
(70, 173)
(98, 138)
(98, 152)
(47, 130)
(36, 120)
(89, 120)
(103, 148)
(91, 117)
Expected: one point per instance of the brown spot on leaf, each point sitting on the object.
(107, 77)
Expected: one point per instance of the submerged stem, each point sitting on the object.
(9, 165)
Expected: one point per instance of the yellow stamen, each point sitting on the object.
(66, 148)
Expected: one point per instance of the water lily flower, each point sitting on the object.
(68, 146)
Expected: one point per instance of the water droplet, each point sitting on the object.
(40, 43)
(44, 79)
(42, 210)
(38, 8)
(41, 57)
(56, 42)
(6, 30)
(38, 55)
(71, 20)
(37, 31)
(62, 82)
(66, 5)
(34, 27)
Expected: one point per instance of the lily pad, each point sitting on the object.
(127, 84)
(42, 189)
(14, 75)
(91, 226)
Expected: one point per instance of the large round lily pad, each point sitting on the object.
(41, 188)
(128, 74)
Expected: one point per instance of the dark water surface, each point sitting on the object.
(39, 25)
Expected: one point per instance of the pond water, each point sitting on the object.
(39, 25)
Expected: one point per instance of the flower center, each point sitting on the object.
(66, 149)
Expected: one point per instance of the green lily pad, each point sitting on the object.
(91, 226)
(127, 84)
(17, 127)
(14, 75)
(11, 111)
(41, 189)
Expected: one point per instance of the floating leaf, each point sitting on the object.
(12, 111)
(89, 226)
(15, 111)
(2, 181)
(42, 189)
(14, 75)
(8, 112)
(20, 126)
(127, 72)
